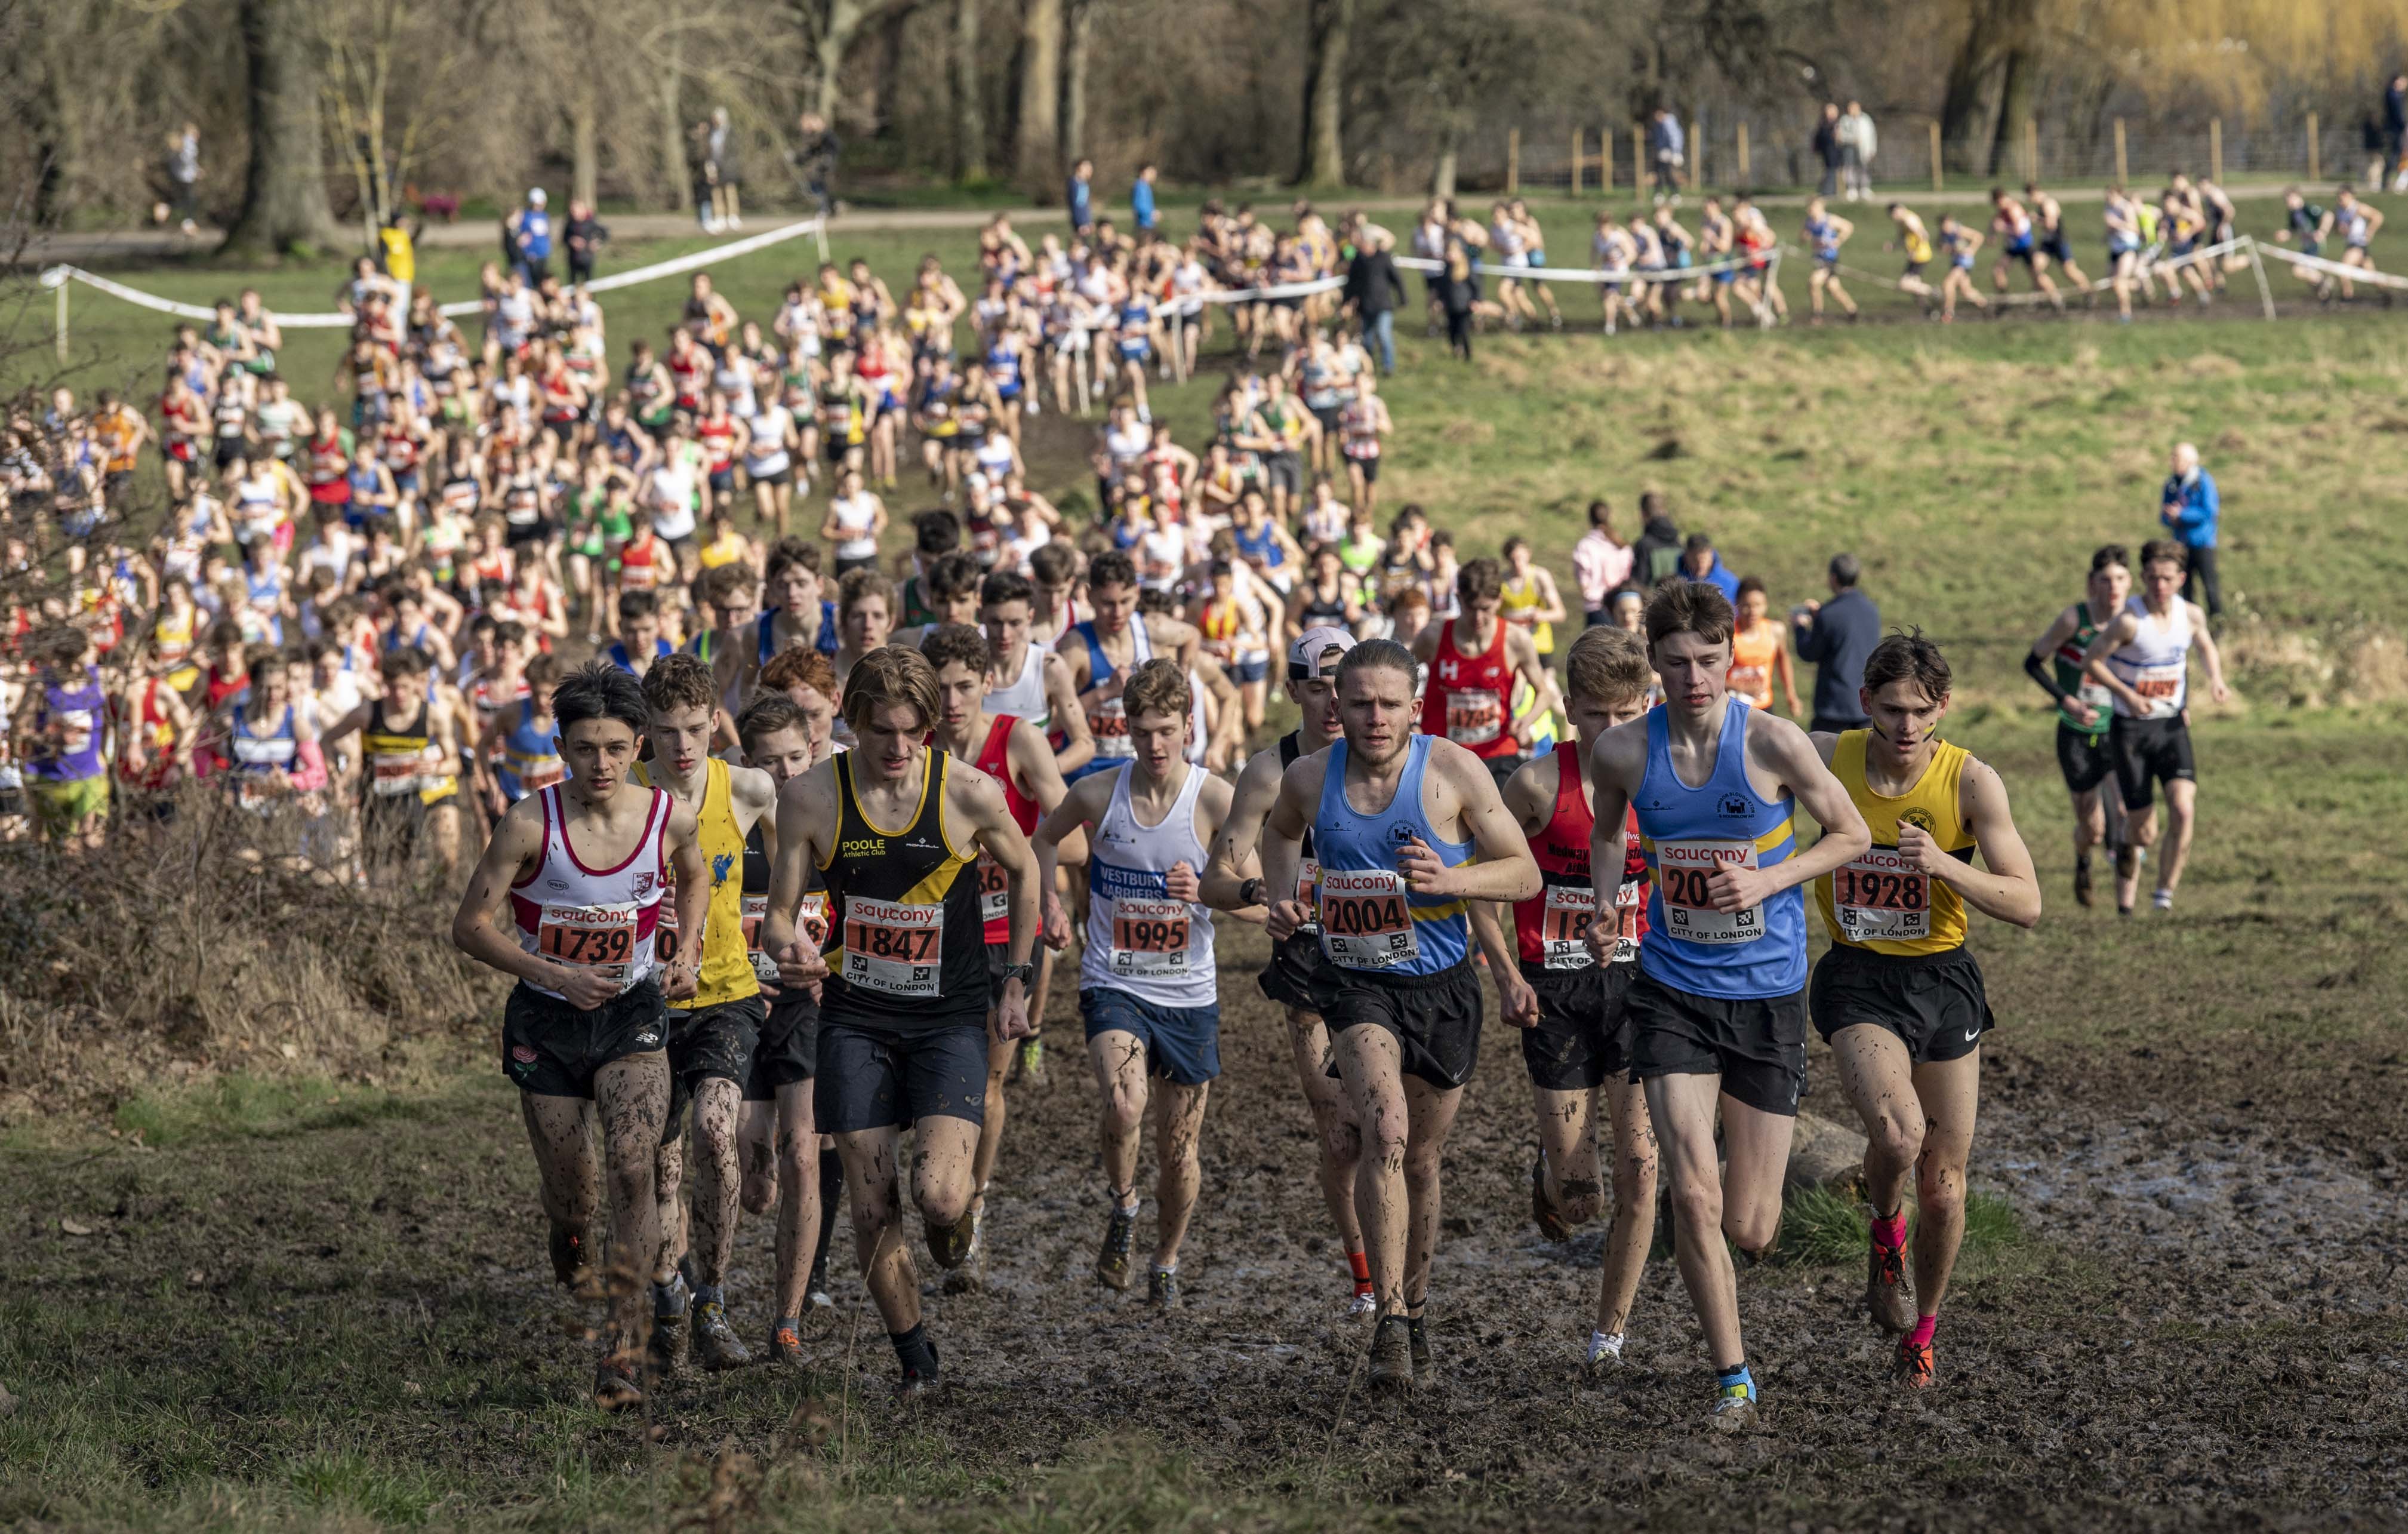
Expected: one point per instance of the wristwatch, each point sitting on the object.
(1025, 973)
(1251, 893)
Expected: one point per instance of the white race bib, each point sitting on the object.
(1474, 716)
(1563, 926)
(601, 938)
(1148, 939)
(1629, 899)
(1682, 869)
(1367, 921)
(994, 890)
(894, 948)
(1879, 898)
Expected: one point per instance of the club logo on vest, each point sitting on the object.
(1734, 805)
(719, 865)
(1919, 817)
(643, 884)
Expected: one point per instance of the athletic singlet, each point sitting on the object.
(726, 974)
(530, 761)
(1138, 939)
(765, 452)
(1521, 599)
(1024, 696)
(2075, 682)
(398, 761)
(906, 948)
(1824, 236)
(1551, 928)
(855, 516)
(1687, 835)
(2155, 662)
(994, 892)
(1750, 668)
(1321, 611)
(1919, 246)
(1371, 919)
(1876, 901)
(257, 757)
(1106, 718)
(1465, 700)
(599, 918)
(810, 917)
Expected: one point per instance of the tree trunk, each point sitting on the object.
(1077, 28)
(1449, 143)
(1971, 123)
(1036, 155)
(970, 114)
(584, 168)
(2019, 89)
(1322, 160)
(284, 205)
(673, 158)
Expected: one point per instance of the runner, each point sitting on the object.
(2085, 708)
(1014, 752)
(2123, 250)
(1825, 233)
(1105, 650)
(415, 740)
(2019, 239)
(1760, 651)
(1394, 887)
(2051, 238)
(580, 868)
(1960, 244)
(2142, 659)
(62, 729)
(1569, 1000)
(710, 1039)
(1478, 663)
(1718, 1010)
(905, 974)
(1298, 976)
(1916, 241)
(1896, 997)
(1149, 991)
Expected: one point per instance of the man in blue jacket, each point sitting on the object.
(2190, 509)
(1700, 563)
(1839, 637)
(1141, 209)
(1082, 198)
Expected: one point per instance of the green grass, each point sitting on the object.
(1823, 1226)
(243, 1104)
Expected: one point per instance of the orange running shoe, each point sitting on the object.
(1914, 1367)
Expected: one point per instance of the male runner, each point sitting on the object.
(1105, 650)
(1569, 1000)
(1408, 830)
(1898, 998)
(2142, 659)
(2052, 239)
(2019, 240)
(1719, 1010)
(1148, 987)
(1475, 661)
(410, 783)
(710, 1039)
(2084, 707)
(1014, 752)
(1298, 977)
(894, 828)
(793, 615)
(1825, 232)
(585, 1022)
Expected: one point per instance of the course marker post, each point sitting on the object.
(1697, 157)
(2216, 150)
(2031, 150)
(1512, 161)
(2122, 171)
(2257, 266)
(1637, 157)
(1576, 162)
(1935, 156)
(1742, 153)
(2314, 170)
(63, 322)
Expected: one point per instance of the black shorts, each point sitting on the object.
(2148, 752)
(838, 449)
(390, 823)
(723, 481)
(2083, 757)
(788, 1050)
(2056, 249)
(1756, 1044)
(870, 1078)
(1300, 975)
(1435, 1018)
(1368, 467)
(775, 476)
(710, 1043)
(1503, 768)
(1933, 1001)
(553, 1050)
(1284, 471)
(1582, 1036)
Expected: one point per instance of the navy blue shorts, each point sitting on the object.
(1250, 670)
(1183, 1044)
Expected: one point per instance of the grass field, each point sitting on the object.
(302, 1299)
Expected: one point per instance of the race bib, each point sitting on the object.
(2160, 688)
(1682, 870)
(812, 918)
(1108, 721)
(1748, 683)
(252, 791)
(392, 776)
(1563, 926)
(1879, 898)
(537, 780)
(1629, 901)
(1307, 890)
(994, 890)
(601, 938)
(1148, 939)
(72, 728)
(1366, 919)
(893, 949)
(1474, 716)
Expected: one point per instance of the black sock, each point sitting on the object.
(913, 1350)
(831, 1191)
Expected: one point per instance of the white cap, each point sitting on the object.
(1305, 656)
(535, 195)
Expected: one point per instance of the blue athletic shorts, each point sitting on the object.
(1183, 1044)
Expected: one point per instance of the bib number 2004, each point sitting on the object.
(1367, 921)
(1683, 872)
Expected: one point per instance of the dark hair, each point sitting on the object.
(1845, 569)
(1158, 686)
(1006, 586)
(860, 585)
(952, 576)
(1381, 653)
(1053, 563)
(958, 643)
(636, 605)
(2164, 550)
(2109, 553)
(599, 690)
(1697, 542)
(892, 674)
(1480, 580)
(765, 715)
(405, 659)
(1750, 583)
(545, 668)
(791, 551)
(681, 680)
(1689, 607)
(1906, 655)
(936, 532)
(1111, 568)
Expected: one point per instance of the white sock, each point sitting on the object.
(1602, 1343)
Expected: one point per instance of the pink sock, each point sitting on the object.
(1889, 1231)
(1924, 1326)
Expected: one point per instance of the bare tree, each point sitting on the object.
(1036, 154)
(1322, 160)
(969, 113)
(1079, 23)
(284, 205)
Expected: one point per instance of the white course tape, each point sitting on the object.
(1584, 274)
(57, 276)
(2335, 269)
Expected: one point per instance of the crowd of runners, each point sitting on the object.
(788, 840)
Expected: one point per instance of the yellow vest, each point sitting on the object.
(400, 254)
(726, 967)
(1875, 902)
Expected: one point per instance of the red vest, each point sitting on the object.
(1469, 699)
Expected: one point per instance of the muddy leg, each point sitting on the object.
(1682, 1109)
(632, 1096)
(1367, 1060)
(1333, 1123)
(870, 1176)
(1634, 1205)
(1119, 1059)
(1179, 1137)
(1567, 1136)
(1431, 1114)
(716, 1103)
(1951, 1093)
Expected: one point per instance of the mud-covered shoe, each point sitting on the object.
(1113, 1263)
(1913, 1367)
(715, 1344)
(1162, 1290)
(1365, 1303)
(1392, 1356)
(1604, 1358)
(665, 1351)
(920, 1378)
(614, 1385)
(970, 1277)
(1030, 1065)
(820, 1296)
(1887, 1293)
(2082, 886)
(1542, 1208)
(1734, 1407)
(572, 1255)
(786, 1343)
(1417, 1332)
(949, 1244)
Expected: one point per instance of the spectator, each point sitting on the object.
(726, 204)
(2395, 131)
(1600, 562)
(1082, 198)
(1827, 146)
(183, 179)
(1374, 285)
(1665, 148)
(1141, 209)
(1657, 557)
(703, 173)
(1701, 564)
(528, 234)
(815, 160)
(1837, 636)
(2189, 508)
(583, 236)
(1858, 142)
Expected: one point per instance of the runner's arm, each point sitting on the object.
(979, 800)
(2004, 887)
(511, 855)
(808, 799)
(1523, 650)
(1488, 930)
(1280, 851)
(2210, 657)
(1062, 702)
(1213, 802)
(2106, 643)
(1616, 764)
(1501, 867)
(1235, 851)
(1080, 805)
(682, 841)
(2044, 649)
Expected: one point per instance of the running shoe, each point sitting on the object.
(614, 1385)
(716, 1346)
(1542, 1210)
(1418, 1335)
(921, 1380)
(950, 1244)
(1392, 1356)
(1112, 1264)
(786, 1343)
(1604, 1358)
(1162, 1290)
(1886, 1290)
(1913, 1367)
(1734, 1408)
(667, 1349)
(2082, 884)
(572, 1255)
(971, 1276)
(1365, 1303)
(821, 1297)
(1030, 1065)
